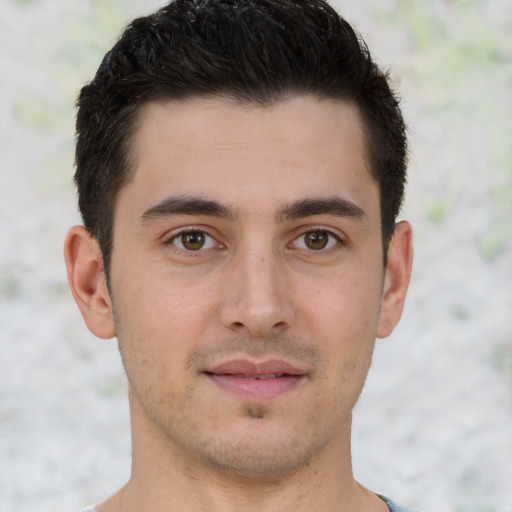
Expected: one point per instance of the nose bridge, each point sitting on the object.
(262, 275)
(257, 299)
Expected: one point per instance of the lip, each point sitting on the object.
(256, 381)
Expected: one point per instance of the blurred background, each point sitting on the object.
(433, 428)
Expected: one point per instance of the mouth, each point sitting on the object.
(256, 381)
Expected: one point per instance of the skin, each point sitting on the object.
(280, 181)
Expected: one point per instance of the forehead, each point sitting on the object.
(239, 152)
(212, 122)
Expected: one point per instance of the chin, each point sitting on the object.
(259, 463)
(259, 452)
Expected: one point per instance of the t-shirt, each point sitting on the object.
(393, 507)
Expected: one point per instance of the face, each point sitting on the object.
(247, 279)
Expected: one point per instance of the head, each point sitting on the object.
(240, 166)
(253, 52)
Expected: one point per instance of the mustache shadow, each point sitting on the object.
(276, 345)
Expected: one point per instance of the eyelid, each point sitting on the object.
(308, 228)
(169, 238)
(304, 230)
(187, 228)
(299, 232)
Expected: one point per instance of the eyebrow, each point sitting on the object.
(182, 205)
(336, 206)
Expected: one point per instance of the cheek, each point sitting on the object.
(344, 319)
(159, 322)
(157, 300)
(349, 302)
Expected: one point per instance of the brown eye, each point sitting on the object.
(193, 241)
(316, 240)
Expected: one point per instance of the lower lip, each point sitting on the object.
(257, 389)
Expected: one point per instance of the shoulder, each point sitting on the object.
(393, 507)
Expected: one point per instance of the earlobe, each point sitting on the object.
(86, 279)
(396, 281)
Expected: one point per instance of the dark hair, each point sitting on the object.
(259, 51)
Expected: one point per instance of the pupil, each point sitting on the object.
(193, 241)
(317, 239)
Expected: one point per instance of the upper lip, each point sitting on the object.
(246, 368)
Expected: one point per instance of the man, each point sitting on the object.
(240, 165)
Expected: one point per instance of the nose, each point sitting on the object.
(256, 300)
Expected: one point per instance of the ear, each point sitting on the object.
(396, 280)
(87, 281)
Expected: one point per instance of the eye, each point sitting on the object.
(193, 241)
(316, 240)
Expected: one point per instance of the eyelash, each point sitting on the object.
(210, 240)
(333, 240)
